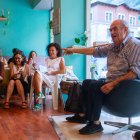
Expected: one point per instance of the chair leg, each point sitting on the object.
(34, 99)
(116, 124)
(44, 92)
(55, 97)
(135, 127)
(122, 126)
(31, 94)
(60, 98)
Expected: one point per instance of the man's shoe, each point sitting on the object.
(76, 119)
(91, 128)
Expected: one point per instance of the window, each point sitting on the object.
(108, 16)
(91, 16)
(108, 35)
(104, 14)
(121, 16)
(131, 33)
(132, 20)
(139, 19)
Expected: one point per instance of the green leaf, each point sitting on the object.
(77, 40)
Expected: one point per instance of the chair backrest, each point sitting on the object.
(124, 100)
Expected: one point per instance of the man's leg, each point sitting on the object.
(83, 103)
(94, 105)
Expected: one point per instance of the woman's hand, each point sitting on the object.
(16, 76)
(34, 65)
(22, 75)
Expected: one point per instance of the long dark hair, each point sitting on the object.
(22, 55)
(57, 47)
(30, 54)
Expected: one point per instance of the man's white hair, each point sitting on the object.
(125, 23)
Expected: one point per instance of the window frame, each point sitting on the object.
(109, 12)
(121, 14)
(133, 22)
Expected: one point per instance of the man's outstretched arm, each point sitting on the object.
(86, 51)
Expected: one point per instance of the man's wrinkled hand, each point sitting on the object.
(107, 88)
(67, 51)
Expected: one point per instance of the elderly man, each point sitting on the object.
(123, 63)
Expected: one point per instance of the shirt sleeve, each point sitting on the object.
(134, 60)
(101, 51)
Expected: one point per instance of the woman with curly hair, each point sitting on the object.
(54, 65)
(18, 71)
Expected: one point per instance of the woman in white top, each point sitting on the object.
(18, 71)
(54, 65)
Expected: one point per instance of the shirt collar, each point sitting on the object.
(118, 48)
(126, 39)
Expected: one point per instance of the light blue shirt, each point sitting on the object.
(121, 59)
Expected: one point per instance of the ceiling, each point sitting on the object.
(44, 5)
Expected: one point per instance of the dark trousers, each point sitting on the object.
(92, 98)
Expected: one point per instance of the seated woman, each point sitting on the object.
(32, 61)
(18, 71)
(1, 71)
(4, 61)
(3, 64)
(32, 57)
(54, 65)
(32, 64)
(11, 59)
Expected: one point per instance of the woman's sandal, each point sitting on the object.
(37, 107)
(24, 105)
(6, 105)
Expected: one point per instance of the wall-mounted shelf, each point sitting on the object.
(3, 18)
